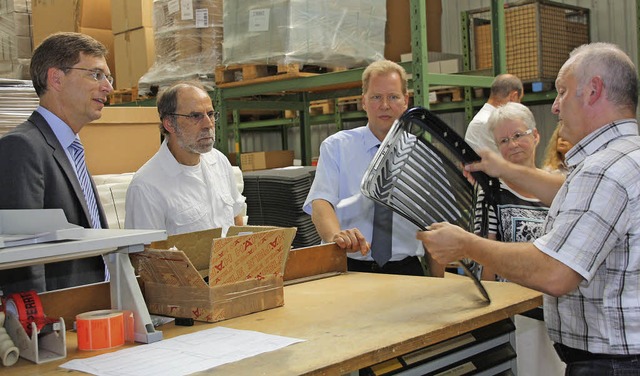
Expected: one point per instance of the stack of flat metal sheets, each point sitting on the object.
(275, 198)
(18, 100)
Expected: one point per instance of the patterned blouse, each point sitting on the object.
(513, 218)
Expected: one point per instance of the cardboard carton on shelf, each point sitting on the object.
(245, 272)
(122, 140)
(134, 54)
(50, 16)
(266, 159)
(130, 15)
(398, 28)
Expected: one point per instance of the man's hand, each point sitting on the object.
(352, 240)
(490, 163)
(445, 242)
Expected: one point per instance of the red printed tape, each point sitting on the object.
(27, 307)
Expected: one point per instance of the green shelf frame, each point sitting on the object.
(296, 94)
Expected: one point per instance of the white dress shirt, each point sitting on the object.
(344, 158)
(478, 135)
(167, 195)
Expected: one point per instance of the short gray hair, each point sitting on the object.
(612, 65)
(511, 111)
(505, 84)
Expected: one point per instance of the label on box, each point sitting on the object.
(186, 8)
(259, 20)
(202, 18)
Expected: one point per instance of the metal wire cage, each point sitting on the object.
(418, 173)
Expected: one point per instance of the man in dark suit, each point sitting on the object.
(40, 166)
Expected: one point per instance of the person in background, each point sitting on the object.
(555, 151)
(42, 160)
(340, 213)
(187, 185)
(516, 215)
(588, 261)
(504, 89)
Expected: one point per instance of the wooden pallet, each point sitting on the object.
(322, 107)
(446, 94)
(349, 104)
(123, 96)
(327, 106)
(245, 74)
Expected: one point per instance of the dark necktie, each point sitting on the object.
(381, 239)
(382, 230)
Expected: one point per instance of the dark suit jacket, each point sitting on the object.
(36, 174)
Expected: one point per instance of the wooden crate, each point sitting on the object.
(539, 36)
(243, 74)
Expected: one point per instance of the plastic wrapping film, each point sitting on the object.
(188, 42)
(328, 33)
(15, 38)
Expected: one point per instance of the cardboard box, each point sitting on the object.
(130, 15)
(398, 28)
(122, 140)
(95, 14)
(134, 55)
(50, 16)
(245, 271)
(266, 159)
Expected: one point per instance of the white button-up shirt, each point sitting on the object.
(166, 195)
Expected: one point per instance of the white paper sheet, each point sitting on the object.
(182, 355)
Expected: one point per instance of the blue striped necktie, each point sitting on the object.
(77, 153)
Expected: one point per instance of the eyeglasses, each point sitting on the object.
(197, 117)
(515, 138)
(97, 74)
(391, 98)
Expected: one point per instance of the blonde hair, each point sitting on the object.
(553, 159)
(384, 67)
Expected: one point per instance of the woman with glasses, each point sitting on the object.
(516, 215)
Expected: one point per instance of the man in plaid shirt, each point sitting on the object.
(588, 261)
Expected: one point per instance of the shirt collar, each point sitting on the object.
(172, 166)
(599, 139)
(370, 140)
(63, 132)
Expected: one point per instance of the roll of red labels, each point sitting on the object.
(104, 329)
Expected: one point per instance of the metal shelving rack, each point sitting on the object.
(296, 94)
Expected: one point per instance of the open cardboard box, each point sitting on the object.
(245, 272)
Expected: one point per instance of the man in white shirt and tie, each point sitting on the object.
(375, 243)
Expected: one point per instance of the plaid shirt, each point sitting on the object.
(593, 227)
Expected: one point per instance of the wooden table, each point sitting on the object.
(351, 321)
